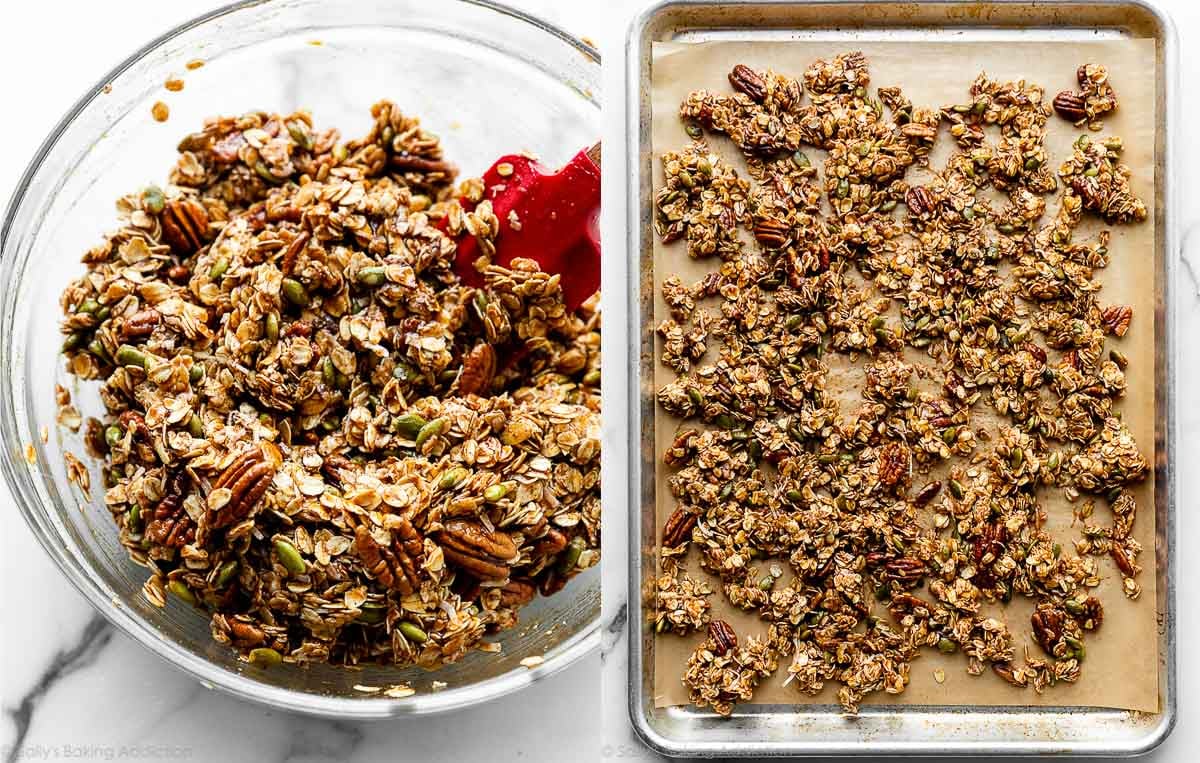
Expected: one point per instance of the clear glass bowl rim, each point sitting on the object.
(20, 481)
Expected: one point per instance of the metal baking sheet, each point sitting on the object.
(757, 730)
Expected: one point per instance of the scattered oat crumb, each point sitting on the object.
(491, 647)
(78, 473)
(30, 454)
(504, 169)
(514, 220)
(45, 434)
(939, 675)
(194, 64)
(315, 43)
(400, 691)
(106, 89)
(160, 112)
(174, 84)
(533, 662)
(367, 689)
(438, 685)
(589, 41)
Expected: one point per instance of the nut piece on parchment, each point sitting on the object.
(1116, 318)
(1048, 623)
(478, 370)
(771, 233)
(1070, 106)
(484, 553)
(395, 564)
(920, 201)
(247, 478)
(185, 226)
(724, 639)
(678, 527)
(746, 80)
(171, 525)
(517, 593)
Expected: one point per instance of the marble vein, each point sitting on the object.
(96, 635)
(614, 629)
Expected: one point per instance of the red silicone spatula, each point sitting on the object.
(557, 221)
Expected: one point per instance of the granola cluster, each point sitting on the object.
(316, 431)
(901, 521)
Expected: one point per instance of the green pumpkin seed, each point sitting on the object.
(795, 496)
(413, 632)
(571, 555)
(495, 492)
(289, 557)
(1032, 163)
(956, 489)
(727, 491)
(113, 435)
(843, 188)
(328, 373)
(265, 173)
(272, 327)
(452, 477)
(130, 356)
(217, 271)
(887, 206)
(371, 614)
(409, 425)
(432, 429)
(89, 306)
(946, 646)
(695, 396)
(294, 292)
(372, 276)
(196, 373)
(766, 583)
(133, 520)
(180, 589)
(153, 200)
(592, 378)
(195, 426)
(74, 341)
(800, 159)
(1052, 462)
(299, 132)
(227, 572)
(693, 130)
(265, 657)
(1005, 228)
(105, 311)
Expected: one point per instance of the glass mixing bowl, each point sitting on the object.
(487, 79)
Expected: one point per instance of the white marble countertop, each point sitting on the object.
(72, 687)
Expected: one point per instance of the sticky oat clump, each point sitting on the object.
(864, 529)
(315, 430)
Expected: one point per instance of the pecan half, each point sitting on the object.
(772, 233)
(745, 80)
(288, 264)
(905, 603)
(185, 225)
(396, 563)
(724, 639)
(478, 370)
(678, 528)
(1048, 622)
(247, 478)
(927, 493)
(517, 593)
(1006, 671)
(171, 526)
(986, 549)
(553, 542)
(1070, 106)
(905, 570)
(919, 200)
(681, 448)
(484, 553)
(1116, 318)
(1089, 613)
(1124, 563)
(893, 464)
(142, 323)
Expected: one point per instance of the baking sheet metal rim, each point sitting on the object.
(740, 739)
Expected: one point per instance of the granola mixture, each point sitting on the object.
(861, 536)
(316, 432)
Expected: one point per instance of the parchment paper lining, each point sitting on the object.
(1121, 668)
